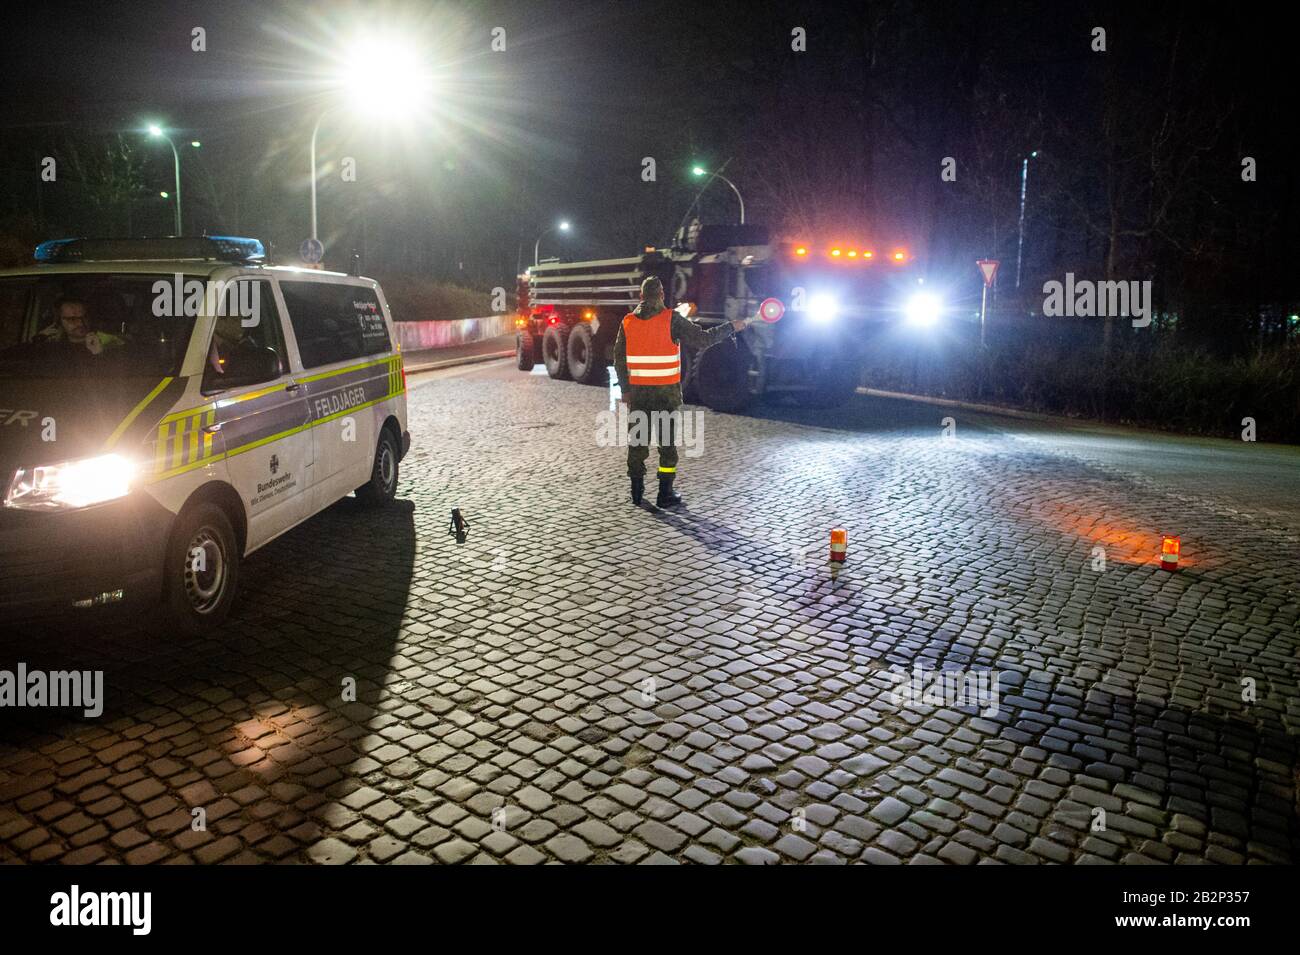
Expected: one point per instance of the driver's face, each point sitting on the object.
(72, 316)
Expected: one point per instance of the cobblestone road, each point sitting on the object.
(586, 682)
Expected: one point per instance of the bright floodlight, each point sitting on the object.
(822, 309)
(155, 130)
(385, 77)
(564, 226)
(698, 171)
(923, 309)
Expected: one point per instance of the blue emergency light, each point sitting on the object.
(219, 248)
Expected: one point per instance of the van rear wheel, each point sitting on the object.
(382, 486)
(201, 573)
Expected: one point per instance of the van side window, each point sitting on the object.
(247, 346)
(335, 322)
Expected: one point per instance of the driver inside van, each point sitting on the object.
(73, 326)
(233, 348)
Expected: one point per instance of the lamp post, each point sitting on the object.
(1024, 184)
(701, 171)
(157, 132)
(315, 131)
(563, 226)
(384, 76)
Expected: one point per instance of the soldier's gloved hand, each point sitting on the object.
(93, 343)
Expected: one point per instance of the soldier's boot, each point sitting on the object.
(638, 489)
(666, 496)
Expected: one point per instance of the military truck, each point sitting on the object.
(835, 297)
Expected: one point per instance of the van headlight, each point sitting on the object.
(72, 484)
(923, 309)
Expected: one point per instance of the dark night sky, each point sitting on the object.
(559, 123)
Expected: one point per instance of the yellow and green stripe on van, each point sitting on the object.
(181, 443)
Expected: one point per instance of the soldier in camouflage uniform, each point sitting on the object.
(650, 341)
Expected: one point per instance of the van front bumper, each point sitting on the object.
(52, 560)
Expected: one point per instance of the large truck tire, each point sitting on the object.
(524, 354)
(555, 351)
(690, 376)
(587, 356)
(836, 384)
(724, 377)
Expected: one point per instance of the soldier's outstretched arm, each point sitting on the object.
(686, 332)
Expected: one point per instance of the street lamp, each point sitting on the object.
(156, 132)
(701, 171)
(383, 77)
(1024, 183)
(563, 226)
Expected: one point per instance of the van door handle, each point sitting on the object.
(212, 428)
(293, 387)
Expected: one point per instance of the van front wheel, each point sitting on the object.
(202, 570)
(382, 486)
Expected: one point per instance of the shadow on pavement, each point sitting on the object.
(249, 724)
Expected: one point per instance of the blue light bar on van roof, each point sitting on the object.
(220, 248)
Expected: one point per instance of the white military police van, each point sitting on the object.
(168, 406)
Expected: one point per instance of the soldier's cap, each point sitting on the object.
(652, 288)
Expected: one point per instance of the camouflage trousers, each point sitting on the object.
(650, 422)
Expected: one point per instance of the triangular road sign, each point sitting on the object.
(990, 268)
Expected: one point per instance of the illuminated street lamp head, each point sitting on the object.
(564, 226)
(195, 143)
(698, 171)
(165, 195)
(384, 76)
(155, 130)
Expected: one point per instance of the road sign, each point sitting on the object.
(771, 310)
(311, 251)
(990, 268)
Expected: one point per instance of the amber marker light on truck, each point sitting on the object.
(836, 253)
(801, 250)
(900, 255)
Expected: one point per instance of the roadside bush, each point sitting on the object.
(416, 299)
(1058, 367)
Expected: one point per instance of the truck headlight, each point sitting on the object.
(923, 309)
(71, 484)
(822, 309)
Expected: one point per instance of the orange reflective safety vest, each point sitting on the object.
(653, 358)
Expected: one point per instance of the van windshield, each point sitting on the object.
(90, 325)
